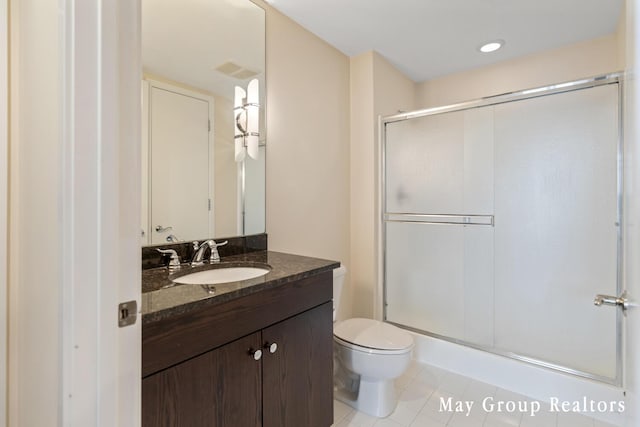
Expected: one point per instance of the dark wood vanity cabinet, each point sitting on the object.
(290, 384)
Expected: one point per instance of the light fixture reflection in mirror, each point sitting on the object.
(246, 113)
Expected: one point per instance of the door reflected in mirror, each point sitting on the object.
(194, 54)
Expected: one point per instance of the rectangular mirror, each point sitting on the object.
(194, 54)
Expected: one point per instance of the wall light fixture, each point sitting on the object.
(246, 113)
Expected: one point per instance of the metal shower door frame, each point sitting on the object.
(607, 79)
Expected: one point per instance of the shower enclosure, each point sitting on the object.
(502, 220)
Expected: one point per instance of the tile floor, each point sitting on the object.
(419, 393)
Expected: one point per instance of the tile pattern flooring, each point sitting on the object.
(422, 386)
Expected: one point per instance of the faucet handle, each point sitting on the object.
(214, 257)
(174, 259)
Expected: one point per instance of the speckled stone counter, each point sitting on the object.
(162, 299)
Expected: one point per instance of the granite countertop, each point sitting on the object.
(162, 299)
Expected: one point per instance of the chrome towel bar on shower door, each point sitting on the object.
(440, 219)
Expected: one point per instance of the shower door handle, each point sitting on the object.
(620, 301)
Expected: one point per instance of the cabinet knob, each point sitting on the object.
(273, 347)
(256, 354)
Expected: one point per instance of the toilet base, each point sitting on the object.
(373, 397)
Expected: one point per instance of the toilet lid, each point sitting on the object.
(373, 334)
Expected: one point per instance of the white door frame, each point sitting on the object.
(100, 133)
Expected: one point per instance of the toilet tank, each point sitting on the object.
(338, 283)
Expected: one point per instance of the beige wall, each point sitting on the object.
(307, 142)
(361, 269)
(567, 63)
(393, 91)
(34, 317)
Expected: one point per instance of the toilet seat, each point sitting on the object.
(372, 336)
(368, 350)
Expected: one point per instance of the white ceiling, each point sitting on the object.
(430, 38)
(186, 40)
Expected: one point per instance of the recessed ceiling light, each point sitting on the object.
(491, 46)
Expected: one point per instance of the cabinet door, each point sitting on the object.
(219, 388)
(298, 377)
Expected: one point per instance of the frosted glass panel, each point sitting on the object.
(425, 164)
(440, 279)
(425, 268)
(556, 227)
(441, 164)
(478, 161)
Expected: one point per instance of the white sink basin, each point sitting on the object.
(221, 275)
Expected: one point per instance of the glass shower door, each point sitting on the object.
(556, 231)
(501, 223)
(438, 222)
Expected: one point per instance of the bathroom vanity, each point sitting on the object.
(256, 352)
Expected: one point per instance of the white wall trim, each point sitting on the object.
(100, 134)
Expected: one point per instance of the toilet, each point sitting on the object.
(368, 356)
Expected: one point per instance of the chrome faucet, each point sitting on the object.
(201, 248)
(199, 252)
